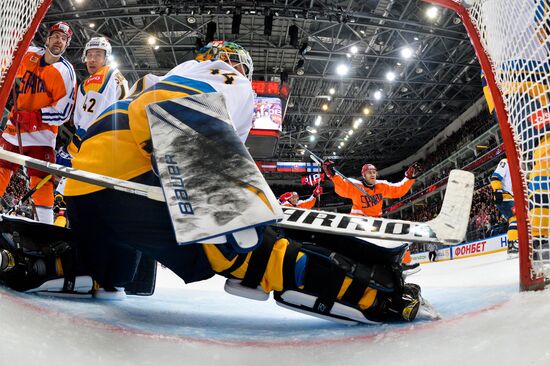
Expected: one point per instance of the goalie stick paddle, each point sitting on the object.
(449, 227)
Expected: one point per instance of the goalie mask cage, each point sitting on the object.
(19, 20)
(511, 41)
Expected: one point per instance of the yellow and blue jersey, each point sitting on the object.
(118, 144)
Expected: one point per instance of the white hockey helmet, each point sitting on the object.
(100, 43)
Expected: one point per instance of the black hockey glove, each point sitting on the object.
(414, 171)
(328, 168)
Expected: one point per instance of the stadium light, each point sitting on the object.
(378, 95)
(324, 107)
(366, 111)
(432, 12)
(331, 91)
(318, 121)
(311, 138)
(390, 76)
(406, 52)
(350, 132)
(151, 40)
(353, 49)
(92, 25)
(342, 69)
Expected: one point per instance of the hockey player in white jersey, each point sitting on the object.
(503, 196)
(104, 86)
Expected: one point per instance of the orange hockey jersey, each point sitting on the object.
(49, 88)
(365, 205)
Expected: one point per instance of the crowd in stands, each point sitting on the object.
(15, 191)
(469, 130)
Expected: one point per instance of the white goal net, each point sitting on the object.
(19, 20)
(514, 37)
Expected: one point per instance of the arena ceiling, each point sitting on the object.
(438, 81)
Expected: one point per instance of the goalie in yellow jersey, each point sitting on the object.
(339, 278)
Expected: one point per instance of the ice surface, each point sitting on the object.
(485, 322)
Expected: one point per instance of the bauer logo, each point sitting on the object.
(177, 185)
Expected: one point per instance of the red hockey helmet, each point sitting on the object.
(287, 196)
(63, 28)
(367, 167)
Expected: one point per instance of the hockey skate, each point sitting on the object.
(513, 249)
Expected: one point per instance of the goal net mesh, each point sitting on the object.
(17, 18)
(515, 37)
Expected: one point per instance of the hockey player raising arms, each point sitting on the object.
(45, 99)
(338, 278)
(370, 204)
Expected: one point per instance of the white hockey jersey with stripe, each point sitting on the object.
(223, 78)
(97, 93)
(502, 173)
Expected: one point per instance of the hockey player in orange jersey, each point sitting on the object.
(45, 99)
(377, 190)
(290, 199)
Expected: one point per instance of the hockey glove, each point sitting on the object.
(328, 168)
(318, 191)
(414, 171)
(27, 120)
(497, 196)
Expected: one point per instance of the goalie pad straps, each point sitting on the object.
(259, 258)
(324, 277)
(362, 277)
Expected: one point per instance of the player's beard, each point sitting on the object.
(55, 50)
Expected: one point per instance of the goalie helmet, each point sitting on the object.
(100, 43)
(227, 51)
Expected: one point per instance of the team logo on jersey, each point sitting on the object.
(34, 59)
(540, 119)
(32, 84)
(96, 79)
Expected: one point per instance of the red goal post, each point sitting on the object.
(19, 21)
(517, 78)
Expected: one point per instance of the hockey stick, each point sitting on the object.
(449, 227)
(154, 193)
